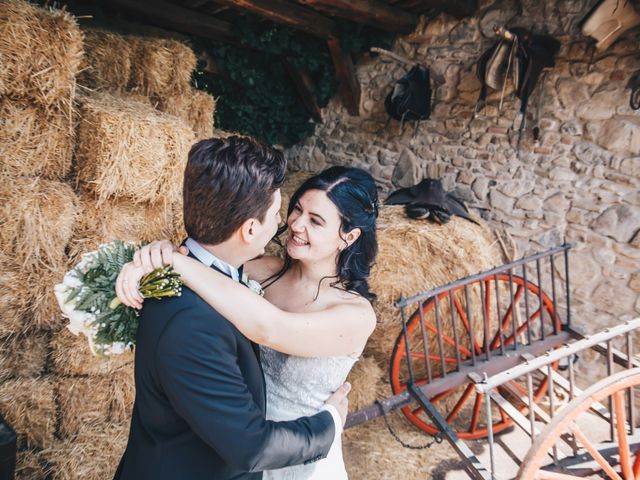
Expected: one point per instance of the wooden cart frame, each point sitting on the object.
(496, 351)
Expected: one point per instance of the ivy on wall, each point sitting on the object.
(255, 94)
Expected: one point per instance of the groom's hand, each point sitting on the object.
(340, 401)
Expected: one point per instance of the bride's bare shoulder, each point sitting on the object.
(263, 267)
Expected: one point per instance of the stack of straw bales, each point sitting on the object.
(414, 256)
(41, 53)
(157, 71)
(77, 170)
(129, 160)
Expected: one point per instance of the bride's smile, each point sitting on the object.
(314, 228)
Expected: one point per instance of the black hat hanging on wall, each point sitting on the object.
(429, 200)
(519, 56)
(410, 98)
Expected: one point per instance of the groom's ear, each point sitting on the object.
(247, 230)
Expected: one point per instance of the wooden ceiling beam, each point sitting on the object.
(459, 8)
(348, 85)
(456, 8)
(193, 4)
(374, 13)
(173, 17)
(290, 14)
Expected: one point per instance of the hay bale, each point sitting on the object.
(38, 217)
(179, 232)
(123, 393)
(23, 355)
(128, 149)
(43, 305)
(34, 141)
(119, 219)
(416, 255)
(370, 452)
(27, 299)
(30, 466)
(195, 107)
(160, 66)
(202, 110)
(83, 401)
(368, 383)
(95, 399)
(107, 61)
(14, 297)
(41, 51)
(28, 404)
(70, 355)
(93, 454)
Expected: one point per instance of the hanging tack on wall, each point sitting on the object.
(520, 57)
(609, 20)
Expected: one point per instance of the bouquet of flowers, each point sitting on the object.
(87, 297)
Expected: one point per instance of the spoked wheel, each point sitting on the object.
(617, 460)
(492, 298)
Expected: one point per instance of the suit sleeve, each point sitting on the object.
(198, 370)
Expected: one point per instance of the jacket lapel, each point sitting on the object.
(254, 346)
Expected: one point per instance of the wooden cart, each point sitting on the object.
(496, 352)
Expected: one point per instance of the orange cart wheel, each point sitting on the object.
(461, 406)
(615, 388)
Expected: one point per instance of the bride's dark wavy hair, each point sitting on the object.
(353, 192)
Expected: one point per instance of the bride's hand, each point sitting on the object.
(154, 255)
(127, 285)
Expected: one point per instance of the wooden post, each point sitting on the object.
(345, 74)
(304, 88)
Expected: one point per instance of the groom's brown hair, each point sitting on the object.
(226, 182)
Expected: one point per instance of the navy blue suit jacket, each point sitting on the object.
(199, 411)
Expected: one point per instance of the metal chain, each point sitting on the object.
(436, 439)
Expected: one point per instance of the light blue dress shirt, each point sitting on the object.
(209, 259)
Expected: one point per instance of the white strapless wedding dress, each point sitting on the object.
(298, 387)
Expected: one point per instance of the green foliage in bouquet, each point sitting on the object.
(255, 94)
(88, 298)
(116, 322)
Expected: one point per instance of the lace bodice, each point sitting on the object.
(299, 386)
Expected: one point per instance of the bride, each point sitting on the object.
(315, 317)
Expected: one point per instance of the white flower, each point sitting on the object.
(254, 286)
(80, 322)
(62, 292)
(116, 348)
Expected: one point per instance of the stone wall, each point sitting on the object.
(580, 181)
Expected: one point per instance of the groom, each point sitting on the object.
(199, 411)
